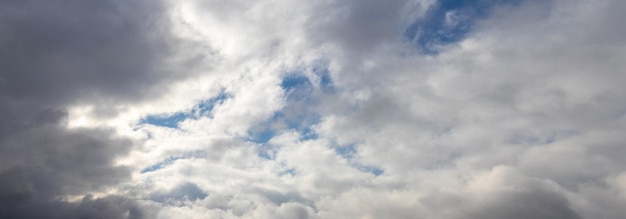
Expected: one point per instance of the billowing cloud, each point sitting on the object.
(58, 53)
(313, 109)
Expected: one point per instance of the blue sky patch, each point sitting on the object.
(302, 123)
(261, 136)
(266, 152)
(290, 171)
(348, 152)
(449, 21)
(297, 87)
(302, 96)
(160, 164)
(297, 81)
(370, 169)
(308, 133)
(170, 121)
(294, 81)
(204, 108)
(326, 82)
(296, 115)
(168, 161)
(264, 132)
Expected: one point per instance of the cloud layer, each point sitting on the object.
(312, 109)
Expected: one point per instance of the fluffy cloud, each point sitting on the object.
(319, 109)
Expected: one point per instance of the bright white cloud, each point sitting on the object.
(522, 117)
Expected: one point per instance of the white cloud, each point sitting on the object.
(521, 118)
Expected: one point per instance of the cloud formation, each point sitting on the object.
(312, 109)
(59, 53)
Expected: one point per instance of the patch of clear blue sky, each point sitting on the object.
(290, 171)
(203, 108)
(326, 82)
(295, 81)
(168, 161)
(297, 87)
(348, 152)
(160, 164)
(170, 121)
(449, 21)
(299, 90)
(370, 169)
(206, 107)
(264, 132)
(266, 151)
(301, 95)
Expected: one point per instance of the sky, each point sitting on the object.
(442, 109)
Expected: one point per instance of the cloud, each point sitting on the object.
(313, 109)
(56, 54)
(109, 207)
(510, 118)
(87, 49)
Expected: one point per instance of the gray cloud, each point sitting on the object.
(529, 201)
(523, 117)
(185, 191)
(61, 52)
(64, 51)
(358, 26)
(45, 162)
(88, 207)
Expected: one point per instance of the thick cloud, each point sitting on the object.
(313, 109)
(109, 207)
(55, 52)
(414, 129)
(62, 52)
(43, 163)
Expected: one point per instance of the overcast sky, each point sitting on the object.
(428, 109)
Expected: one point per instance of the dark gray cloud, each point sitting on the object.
(526, 202)
(44, 162)
(61, 52)
(360, 26)
(108, 207)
